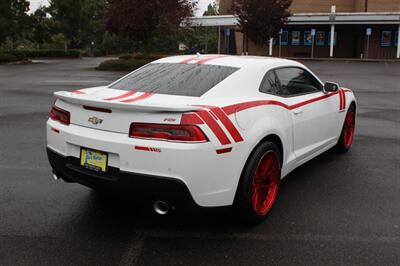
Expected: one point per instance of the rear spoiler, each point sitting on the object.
(148, 107)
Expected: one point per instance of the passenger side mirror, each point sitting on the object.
(331, 86)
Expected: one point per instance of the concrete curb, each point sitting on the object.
(346, 59)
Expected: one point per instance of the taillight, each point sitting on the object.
(180, 133)
(60, 115)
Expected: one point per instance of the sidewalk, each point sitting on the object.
(344, 59)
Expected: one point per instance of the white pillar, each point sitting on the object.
(332, 40)
(271, 42)
(398, 43)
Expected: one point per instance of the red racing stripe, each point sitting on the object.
(141, 97)
(227, 123)
(230, 109)
(215, 128)
(297, 105)
(205, 60)
(126, 94)
(341, 100)
(187, 60)
(344, 100)
(191, 119)
(142, 148)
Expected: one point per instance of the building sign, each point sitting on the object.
(182, 47)
(296, 37)
(285, 37)
(386, 38)
(334, 39)
(307, 38)
(320, 38)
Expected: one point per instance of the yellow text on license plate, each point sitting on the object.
(94, 160)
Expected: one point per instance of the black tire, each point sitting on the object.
(344, 144)
(244, 205)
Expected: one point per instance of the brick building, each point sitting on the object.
(362, 28)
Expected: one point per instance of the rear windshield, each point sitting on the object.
(175, 79)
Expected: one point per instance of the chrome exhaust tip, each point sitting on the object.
(161, 207)
(55, 177)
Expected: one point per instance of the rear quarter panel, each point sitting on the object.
(259, 122)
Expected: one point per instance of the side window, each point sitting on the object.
(295, 81)
(270, 84)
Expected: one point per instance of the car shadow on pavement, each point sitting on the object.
(113, 215)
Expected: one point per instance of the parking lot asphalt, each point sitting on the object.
(335, 210)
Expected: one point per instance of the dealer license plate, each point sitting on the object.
(94, 160)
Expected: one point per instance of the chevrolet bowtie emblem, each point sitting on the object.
(95, 120)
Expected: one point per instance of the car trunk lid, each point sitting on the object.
(114, 110)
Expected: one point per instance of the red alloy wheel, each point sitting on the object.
(265, 183)
(349, 126)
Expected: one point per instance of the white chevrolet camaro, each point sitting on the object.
(199, 131)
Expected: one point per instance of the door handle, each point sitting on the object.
(298, 111)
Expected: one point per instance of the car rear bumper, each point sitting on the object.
(209, 178)
(143, 186)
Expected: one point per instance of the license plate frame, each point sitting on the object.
(94, 160)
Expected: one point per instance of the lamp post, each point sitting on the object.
(398, 43)
(368, 33)
(312, 42)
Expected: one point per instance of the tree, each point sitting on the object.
(199, 38)
(141, 20)
(211, 33)
(5, 19)
(261, 19)
(41, 26)
(212, 9)
(80, 21)
(14, 20)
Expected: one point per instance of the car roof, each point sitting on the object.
(227, 60)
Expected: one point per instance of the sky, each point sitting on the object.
(202, 6)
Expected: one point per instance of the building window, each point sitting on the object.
(386, 38)
(285, 38)
(396, 36)
(320, 38)
(296, 37)
(307, 38)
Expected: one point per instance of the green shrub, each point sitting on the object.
(5, 58)
(122, 64)
(52, 53)
(152, 57)
(139, 56)
(126, 56)
(18, 54)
